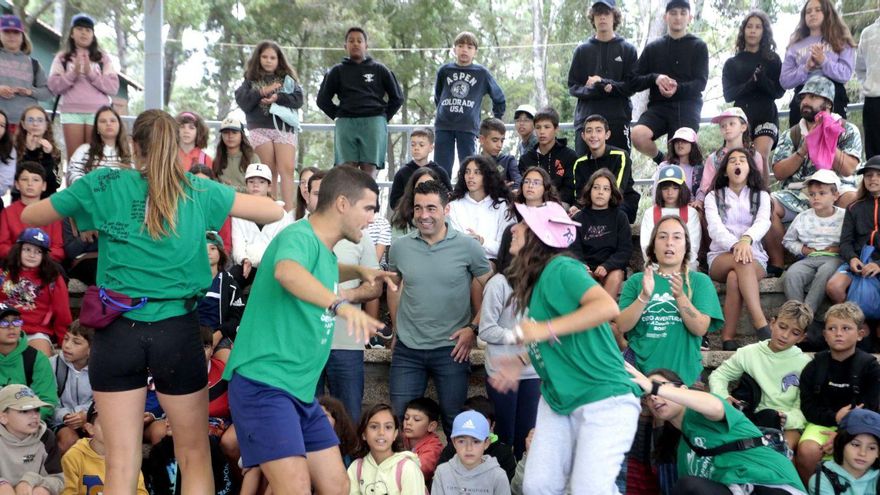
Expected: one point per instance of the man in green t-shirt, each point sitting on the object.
(285, 335)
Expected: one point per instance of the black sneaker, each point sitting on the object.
(774, 271)
(704, 345)
(763, 333)
(385, 334)
(729, 345)
(375, 343)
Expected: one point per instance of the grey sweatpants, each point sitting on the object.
(806, 280)
(585, 448)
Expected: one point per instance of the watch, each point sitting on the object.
(474, 327)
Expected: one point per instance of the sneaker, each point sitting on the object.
(75, 286)
(386, 333)
(729, 345)
(763, 333)
(704, 344)
(774, 271)
(375, 343)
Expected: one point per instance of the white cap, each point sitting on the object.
(258, 170)
(824, 176)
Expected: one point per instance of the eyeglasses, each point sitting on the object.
(35, 120)
(13, 323)
(533, 182)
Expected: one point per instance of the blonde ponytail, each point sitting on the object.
(155, 133)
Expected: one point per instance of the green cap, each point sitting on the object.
(819, 86)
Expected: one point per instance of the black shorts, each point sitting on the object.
(768, 129)
(670, 116)
(170, 350)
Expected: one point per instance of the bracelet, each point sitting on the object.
(655, 387)
(522, 359)
(639, 297)
(747, 239)
(553, 336)
(334, 307)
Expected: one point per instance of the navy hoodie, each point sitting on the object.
(361, 89)
(558, 162)
(685, 59)
(458, 94)
(615, 62)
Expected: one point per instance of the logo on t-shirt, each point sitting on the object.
(790, 380)
(659, 315)
(369, 78)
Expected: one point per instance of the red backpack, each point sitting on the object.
(682, 213)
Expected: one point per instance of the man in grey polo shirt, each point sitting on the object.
(434, 320)
(344, 372)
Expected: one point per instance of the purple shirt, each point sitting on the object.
(837, 66)
(726, 229)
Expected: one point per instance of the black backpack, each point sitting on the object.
(29, 358)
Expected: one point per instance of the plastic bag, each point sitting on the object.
(865, 291)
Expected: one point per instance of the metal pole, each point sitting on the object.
(154, 55)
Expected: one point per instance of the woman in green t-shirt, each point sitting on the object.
(151, 223)
(720, 452)
(668, 308)
(588, 408)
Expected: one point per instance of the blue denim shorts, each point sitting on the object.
(272, 424)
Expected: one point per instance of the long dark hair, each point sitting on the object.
(652, 254)
(550, 193)
(6, 140)
(221, 154)
(834, 31)
(767, 46)
(96, 144)
(254, 71)
(223, 260)
(344, 428)
(364, 449)
(754, 181)
(666, 445)
(684, 194)
(527, 266)
(95, 53)
(616, 196)
(403, 213)
(695, 157)
(493, 184)
(48, 270)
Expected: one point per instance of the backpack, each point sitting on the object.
(839, 486)
(398, 473)
(60, 375)
(682, 213)
(29, 358)
(861, 360)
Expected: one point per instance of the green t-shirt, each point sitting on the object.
(283, 341)
(113, 202)
(586, 366)
(759, 465)
(660, 338)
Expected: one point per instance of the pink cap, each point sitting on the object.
(550, 223)
(685, 134)
(730, 112)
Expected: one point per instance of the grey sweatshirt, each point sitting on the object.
(34, 459)
(77, 393)
(452, 478)
(16, 69)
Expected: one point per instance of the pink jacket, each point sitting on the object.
(83, 93)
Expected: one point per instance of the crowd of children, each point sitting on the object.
(595, 377)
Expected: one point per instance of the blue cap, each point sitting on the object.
(608, 3)
(82, 20)
(860, 421)
(35, 236)
(471, 424)
(10, 22)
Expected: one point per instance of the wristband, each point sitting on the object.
(522, 359)
(639, 297)
(655, 388)
(553, 337)
(473, 327)
(747, 239)
(334, 307)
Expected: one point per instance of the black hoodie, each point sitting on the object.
(401, 178)
(615, 62)
(558, 162)
(685, 59)
(361, 89)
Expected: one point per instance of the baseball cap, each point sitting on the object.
(6, 310)
(231, 123)
(550, 223)
(872, 164)
(20, 398)
(824, 176)
(671, 4)
(82, 20)
(10, 22)
(671, 173)
(525, 108)
(214, 238)
(730, 112)
(258, 170)
(35, 236)
(609, 3)
(860, 421)
(470, 424)
(685, 134)
(819, 86)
